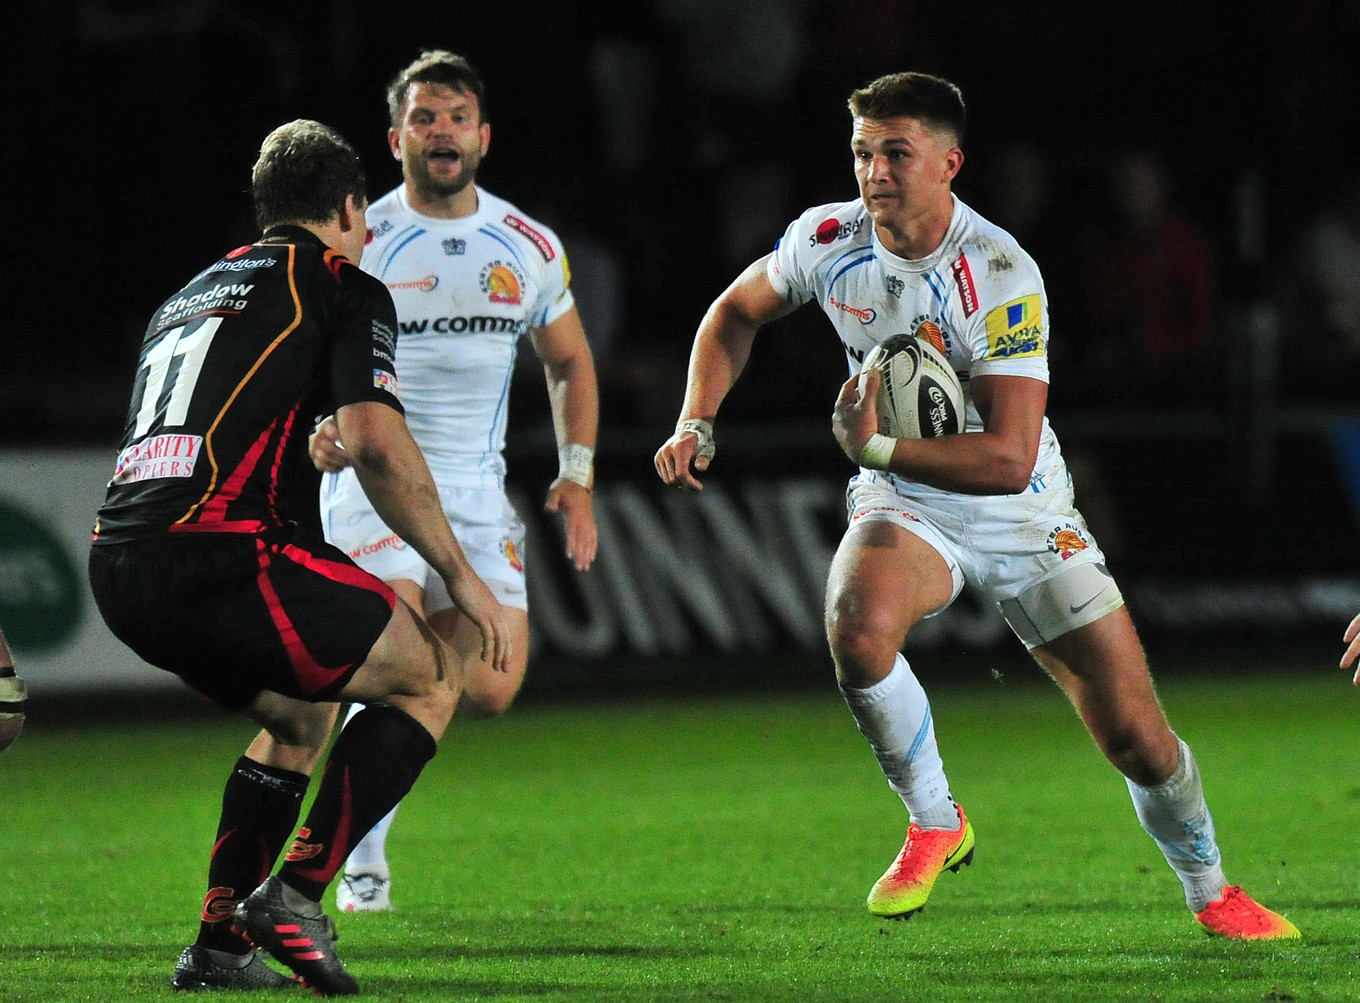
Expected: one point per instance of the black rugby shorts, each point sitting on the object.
(233, 614)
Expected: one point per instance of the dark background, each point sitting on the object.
(671, 145)
(138, 124)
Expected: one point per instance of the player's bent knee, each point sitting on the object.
(1146, 753)
(1140, 746)
(862, 635)
(438, 702)
(432, 710)
(407, 660)
(312, 728)
(861, 659)
(492, 702)
(1121, 747)
(293, 722)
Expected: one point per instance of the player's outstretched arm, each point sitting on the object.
(396, 479)
(1352, 655)
(722, 346)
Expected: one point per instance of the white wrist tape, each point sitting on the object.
(575, 463)
(877, 452)
(702, 431)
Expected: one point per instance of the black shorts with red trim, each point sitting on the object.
(234, 614)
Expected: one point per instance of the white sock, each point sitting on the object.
(894, 715)
(370, 855)
(1175, 814)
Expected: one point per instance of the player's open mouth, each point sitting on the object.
(442, 155)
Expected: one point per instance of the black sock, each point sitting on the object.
(260, 806)
(372, 765)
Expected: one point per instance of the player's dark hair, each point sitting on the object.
(435, 66)
(304, 171)
(934, 100)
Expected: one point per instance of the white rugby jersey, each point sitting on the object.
(979, 296)
(465, 290)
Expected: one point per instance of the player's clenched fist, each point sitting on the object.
(691, 445)
(326, 449)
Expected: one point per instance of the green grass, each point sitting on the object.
(719, 847)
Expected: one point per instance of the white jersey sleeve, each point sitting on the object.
(466, 290)
(1006, 331)
(816, 249)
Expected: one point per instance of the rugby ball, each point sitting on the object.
(919, 396)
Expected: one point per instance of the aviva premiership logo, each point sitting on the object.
(1014, 331)
(512, 554)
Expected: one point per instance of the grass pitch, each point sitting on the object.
(719, 847)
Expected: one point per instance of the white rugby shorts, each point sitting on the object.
(1031, 553)
(484, 522)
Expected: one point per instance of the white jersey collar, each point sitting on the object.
(440, 222)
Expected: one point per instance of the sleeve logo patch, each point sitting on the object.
(1014, 330)
(963, 278)
(831, 230)
(384, 380)
(538, 240)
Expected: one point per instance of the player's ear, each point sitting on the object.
(953, 161)
(486, 137)
(394, 142)
(351, 213)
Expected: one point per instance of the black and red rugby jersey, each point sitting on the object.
(233, 369)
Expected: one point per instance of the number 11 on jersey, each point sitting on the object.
(165, 383)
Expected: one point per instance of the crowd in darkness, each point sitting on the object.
(1167, 181)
